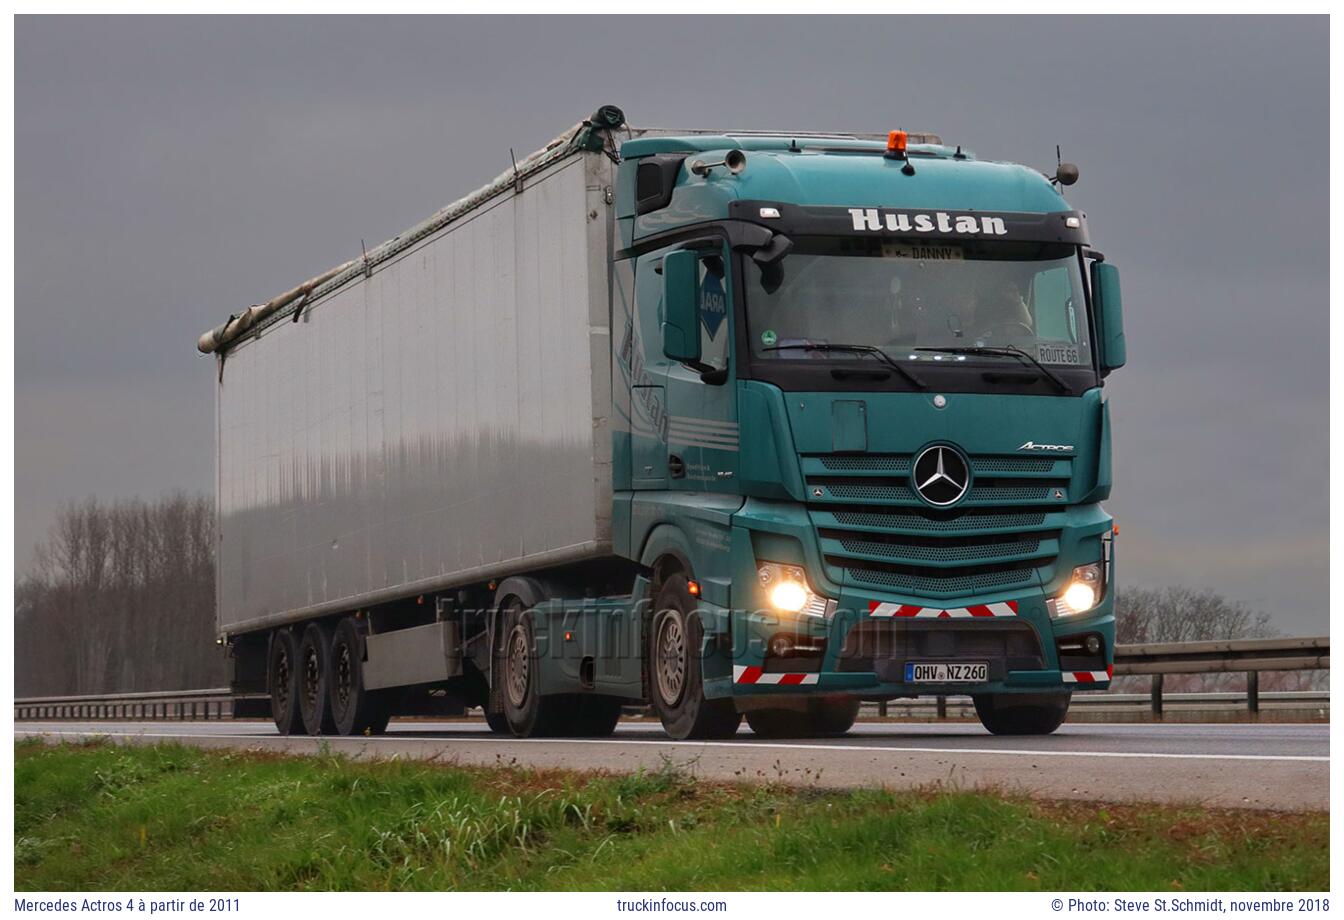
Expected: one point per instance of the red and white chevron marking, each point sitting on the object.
(750, 674)
(1005, 609)
(1088, 677)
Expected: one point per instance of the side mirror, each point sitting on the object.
(1110, 315)
(681, 307)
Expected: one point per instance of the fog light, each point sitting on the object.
(1080, 597)
(1093, 644)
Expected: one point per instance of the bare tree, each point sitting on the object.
(120, 597)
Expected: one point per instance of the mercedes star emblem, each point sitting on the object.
(940, 475)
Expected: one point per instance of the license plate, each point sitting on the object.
(946, 673)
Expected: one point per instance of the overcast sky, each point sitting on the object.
(171, 171)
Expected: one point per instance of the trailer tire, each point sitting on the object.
(314, 701)
(1022, 714)
(527, 712)
(282, 679)
(676, 680)
(354, 709)
(821, 718)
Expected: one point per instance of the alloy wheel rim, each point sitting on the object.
(344, 674)
(520, 666)
(671, 657)
(311, 678)
(282, 680)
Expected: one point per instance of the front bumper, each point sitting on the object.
(870, 637)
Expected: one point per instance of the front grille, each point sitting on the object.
(918, 522)
(934, 582)
(936, 552)
(898, 491)
(876, 531)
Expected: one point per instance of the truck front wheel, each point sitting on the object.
(282, 677)
(1021, 714)
(355, 710)
(821, 717)
(676, 682)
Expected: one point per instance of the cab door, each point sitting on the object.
(702, 425)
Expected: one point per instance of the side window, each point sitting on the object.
(1052, 304)
(714, 321)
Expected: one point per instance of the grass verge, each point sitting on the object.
(169, 817)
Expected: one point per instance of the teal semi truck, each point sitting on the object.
(731, 424)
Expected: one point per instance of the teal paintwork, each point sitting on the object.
(769, 475)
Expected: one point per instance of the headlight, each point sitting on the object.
(1086, 586)
(786, 588)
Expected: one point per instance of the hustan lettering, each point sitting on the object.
(871, 219)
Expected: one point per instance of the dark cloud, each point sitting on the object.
(170, 171)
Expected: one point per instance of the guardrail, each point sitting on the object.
(184, 705)
(1158, 660)
(1225, 656)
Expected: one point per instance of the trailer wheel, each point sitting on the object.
(314, 700)
(822, 717)
(676, 682)
(1022, 714)
(528, 713)
(282, 678)
(354, 709)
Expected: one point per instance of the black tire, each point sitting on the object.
(527, 713)
(821, 718)
(830, 717)
(498, 722)
(1022, 714)
(314, 701)
(282, 679)
(593, 716)
(354, 710)
(676, 681)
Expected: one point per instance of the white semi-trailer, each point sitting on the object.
(732, 423)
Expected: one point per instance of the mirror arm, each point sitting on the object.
(715, 376)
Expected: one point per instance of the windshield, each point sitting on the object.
(903, 296)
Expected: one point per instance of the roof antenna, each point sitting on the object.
(517, 177)
(958, 155)
(1065, 173)
(793, 146)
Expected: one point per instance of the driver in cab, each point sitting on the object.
(1001, 315)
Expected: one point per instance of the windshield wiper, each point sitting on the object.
(1005, 351)
(863, 349)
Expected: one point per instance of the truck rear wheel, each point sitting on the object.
(282, 679)
(1022, 714)
(676, 681)
(822, 717)
(314, 701)
(354, 709)
(528, 713)
(593, 716)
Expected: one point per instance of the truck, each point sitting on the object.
(725, 424)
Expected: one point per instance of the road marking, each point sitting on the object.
(736, 745)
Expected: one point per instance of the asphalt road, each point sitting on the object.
(1268, 765)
